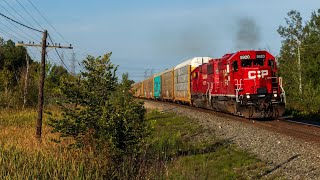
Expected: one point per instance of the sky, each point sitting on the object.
(150, 36)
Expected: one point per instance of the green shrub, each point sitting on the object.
(100, 112)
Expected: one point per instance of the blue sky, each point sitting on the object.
(160, 34)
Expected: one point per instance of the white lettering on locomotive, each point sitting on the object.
(261, 56)
(245, 57)
(254, 74)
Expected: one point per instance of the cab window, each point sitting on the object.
(210, 69)
(258, 62)
(195, 75)
(246, 63)
(235, 66)
(271, 63)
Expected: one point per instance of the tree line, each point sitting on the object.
(19, 76)
(299, 63)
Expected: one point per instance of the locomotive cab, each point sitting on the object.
(258, 90)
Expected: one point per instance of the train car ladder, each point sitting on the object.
(238, 88)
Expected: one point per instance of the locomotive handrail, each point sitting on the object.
(238, 85)
(283, 92)
(207, 91)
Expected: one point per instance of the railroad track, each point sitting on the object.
(299, 130)
(313, 124)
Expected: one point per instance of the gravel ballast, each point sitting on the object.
(287, 156)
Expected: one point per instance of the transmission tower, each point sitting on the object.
(145, 74)
(62, 59)
(73, 63)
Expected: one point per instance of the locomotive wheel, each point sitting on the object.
(247, 111)
(230, 106)
(278, 110)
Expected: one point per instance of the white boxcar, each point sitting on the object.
(182, 78)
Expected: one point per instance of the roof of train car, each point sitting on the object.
(160, 73)
(194, 62)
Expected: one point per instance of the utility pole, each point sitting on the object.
(41, 84)
(44, 47)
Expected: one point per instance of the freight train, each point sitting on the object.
(243, 83)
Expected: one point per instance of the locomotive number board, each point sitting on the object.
(259, 56)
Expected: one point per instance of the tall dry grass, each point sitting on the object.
(23, 156)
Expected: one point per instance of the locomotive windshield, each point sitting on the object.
(258, 62)
(252, 62)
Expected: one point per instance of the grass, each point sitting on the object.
(189, 151)
(22, 156)
(178, 148)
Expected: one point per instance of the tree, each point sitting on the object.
(127, 121)
(98, 111)
(12, 63)
(312, 49)
(300, 61)
(294, 34)
(54, 76)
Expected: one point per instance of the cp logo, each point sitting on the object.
(255, 74)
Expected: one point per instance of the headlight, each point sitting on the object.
(275, 95)
(248, 96)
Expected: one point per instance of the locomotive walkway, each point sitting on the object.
(291, 149)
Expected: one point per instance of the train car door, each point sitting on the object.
(216, 77)
(195, 81)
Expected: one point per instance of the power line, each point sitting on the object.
(60, 56)
(20, 23)
(29, 14)
(14, 31)
(18, 29)
(5, 1)
(47, 21)
(65, 54)
(30, 24)
(44, 19)
(41, 14)
(10, 21)
(4, 32)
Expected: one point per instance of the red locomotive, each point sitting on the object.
(243, 83)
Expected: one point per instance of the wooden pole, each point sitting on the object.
(42, 75)
(41, 84)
